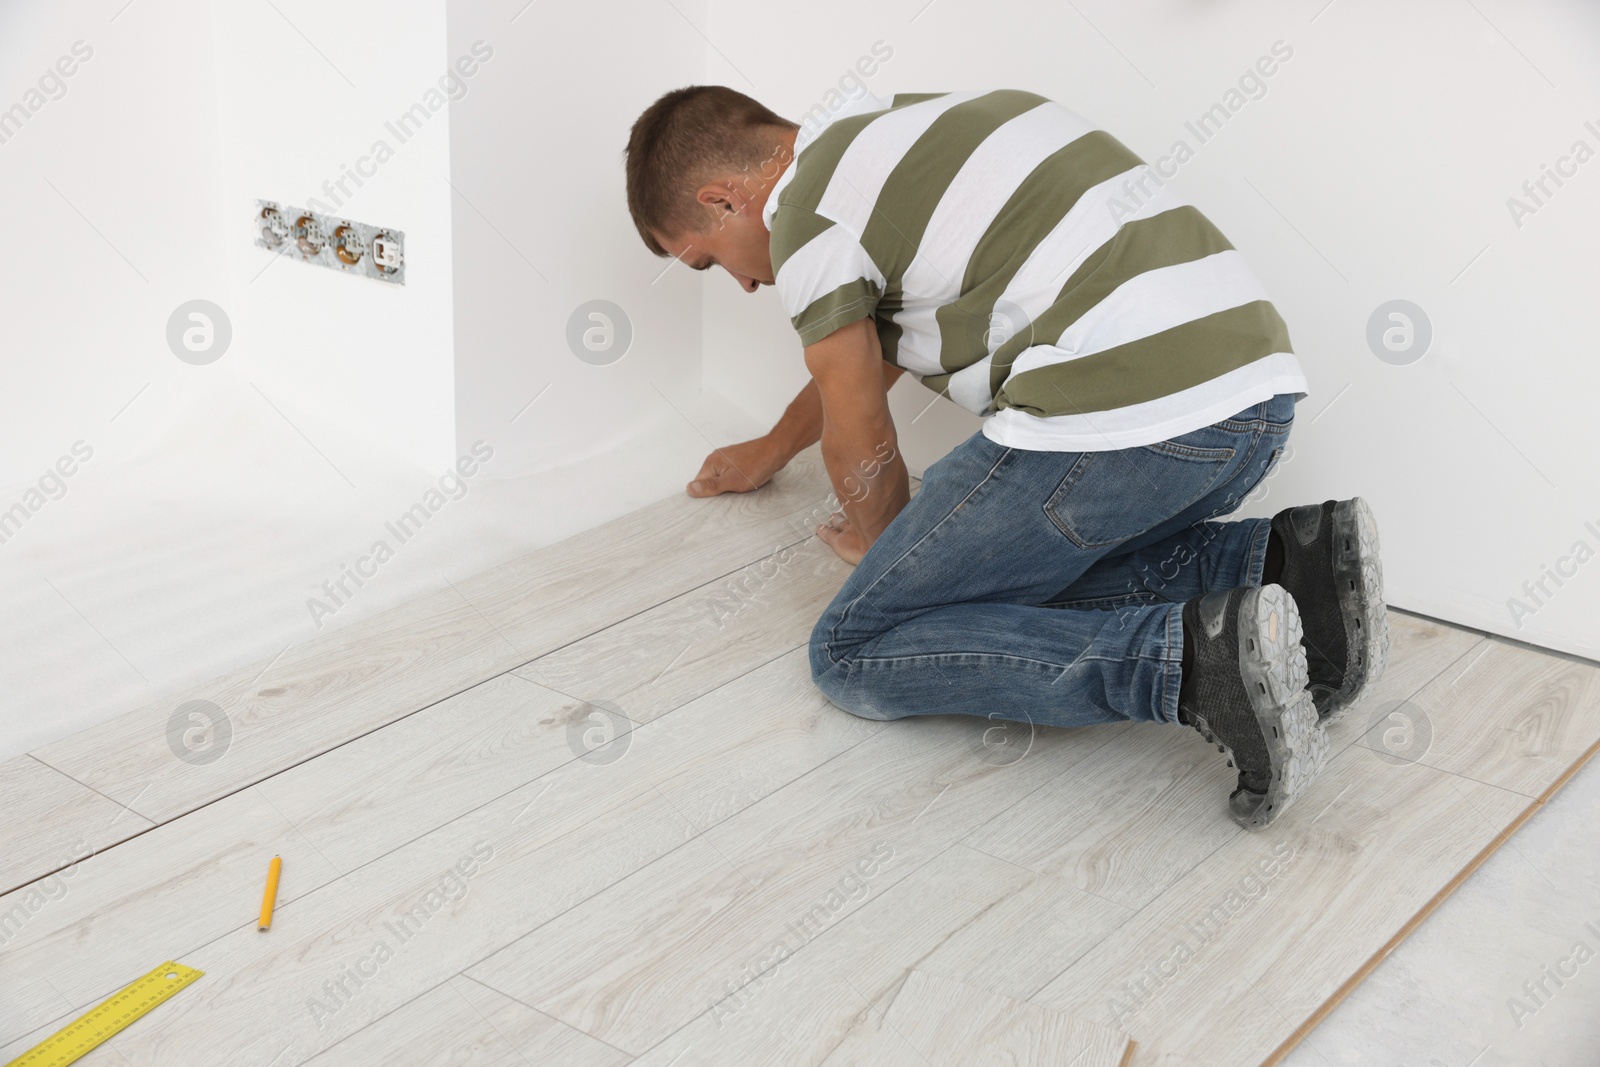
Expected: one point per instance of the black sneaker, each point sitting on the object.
(1332, 569)
(1247, 695)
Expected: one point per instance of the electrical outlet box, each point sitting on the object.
(331, 241)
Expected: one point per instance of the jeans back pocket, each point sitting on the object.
(1111, 497)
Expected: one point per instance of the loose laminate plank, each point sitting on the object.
(1223, 965)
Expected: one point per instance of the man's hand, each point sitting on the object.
(738, 468)
(839, 535)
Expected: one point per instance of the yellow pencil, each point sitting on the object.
(271, 896)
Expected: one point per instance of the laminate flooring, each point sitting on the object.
(589, 808)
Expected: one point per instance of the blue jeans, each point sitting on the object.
(1048, 587)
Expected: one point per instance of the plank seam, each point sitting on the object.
(1315, 1018)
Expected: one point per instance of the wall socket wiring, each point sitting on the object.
(331, 241)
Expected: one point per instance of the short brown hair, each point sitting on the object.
(686, 138)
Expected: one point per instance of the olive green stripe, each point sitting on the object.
(1030, 214)
(922, 177)
(1046, 196)
(1151, 367)
(827, 313)
(795, 230)
(902, 99)
(1169, 239)
(890, 331)
(822, 156)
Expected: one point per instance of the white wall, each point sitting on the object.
(112, 219)
(542, 227)
(219, 498)
(1376, 165)
(310, 93)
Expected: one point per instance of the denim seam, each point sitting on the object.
(1108, 603)
(833, 631)
(1256, 562)
(889, 661)
(1169, 684)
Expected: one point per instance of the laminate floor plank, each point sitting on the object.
(395, 784)
(947, 917)
(598, 578)
(1422, 649)
(659, 659)
(1222, 966)
(337, 686)
(1509, 716)
(107, 920)
(348, 953)
(460, 1023)
(50, 821)
(1151, 807)
(935, 1022)
(783, 870)
(1022, 939)
(269, 716)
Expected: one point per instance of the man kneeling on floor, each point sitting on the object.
(1065, 564)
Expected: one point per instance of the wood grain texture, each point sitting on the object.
(376, 793)
(777, 874)
(344, 683)
(460, 1023)
(806, 1006)
(49, 822)
(1028, 930)
(659, 659)
(1151, 806)
(935, 1022)
(343, 956)
(592, 580)
(1505, 715)
(316, 695)
(1220, 968)
(103, 922)
(1422, 650)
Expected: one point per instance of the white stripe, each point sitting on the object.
(824, 263)
(1090, 223)
(873, 155)
(988, 179)
(1149, 303)
(1097, 216)
(808, 133)
(1153, 420)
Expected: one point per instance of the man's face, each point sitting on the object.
(736, 239)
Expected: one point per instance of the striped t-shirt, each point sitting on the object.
(1027, 265)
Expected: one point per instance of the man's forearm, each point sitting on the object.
(869, 475)
(800, 426)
